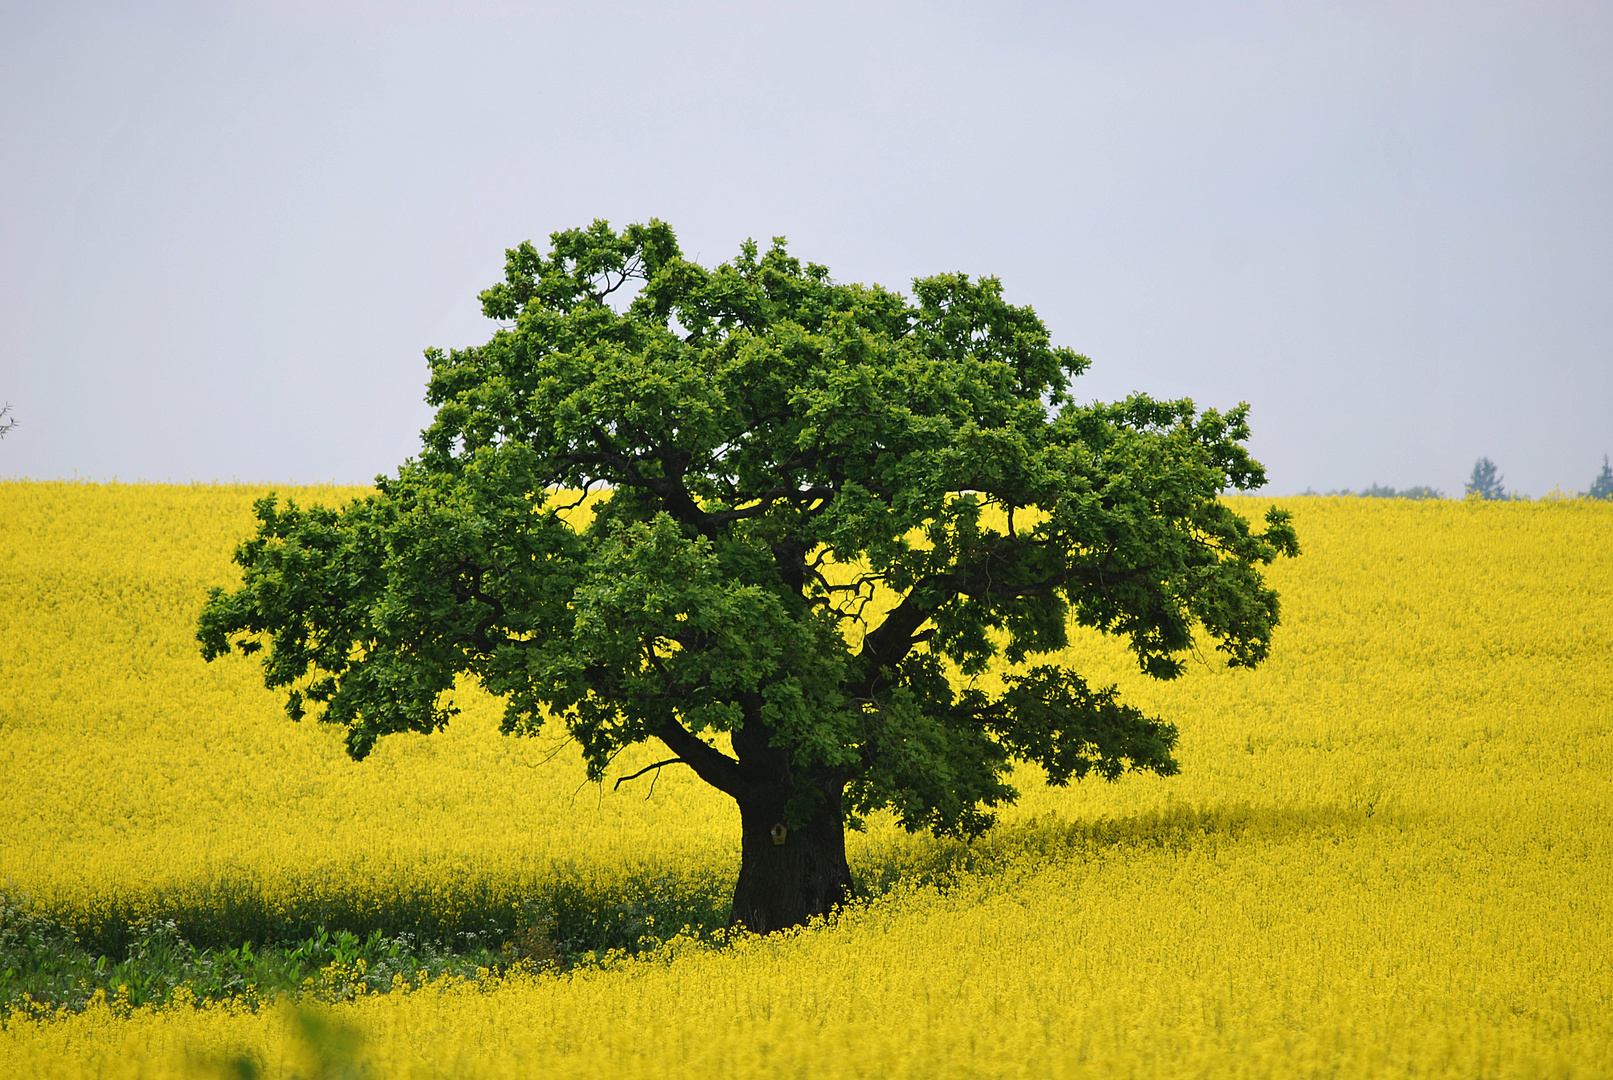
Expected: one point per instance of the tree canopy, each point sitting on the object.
(781, 524)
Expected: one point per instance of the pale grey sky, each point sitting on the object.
(228, 231)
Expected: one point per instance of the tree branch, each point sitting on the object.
(766, 500)
(657, 766)
(710, 764)
(886, 645)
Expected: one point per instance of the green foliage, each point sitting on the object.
(744, 431)
(436, 930)
(43, 962)
(1602, 486)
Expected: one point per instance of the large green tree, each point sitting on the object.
(777, 523)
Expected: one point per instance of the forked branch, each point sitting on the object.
(648, 768)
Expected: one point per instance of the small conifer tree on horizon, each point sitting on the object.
(1485, 483)
(1602, 486)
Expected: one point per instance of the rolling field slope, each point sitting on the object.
(1388, 852)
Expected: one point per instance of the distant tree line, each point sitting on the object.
(1485, 482)
(1379, 491)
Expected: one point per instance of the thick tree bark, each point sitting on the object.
(785, 884)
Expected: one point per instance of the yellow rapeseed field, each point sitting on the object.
(1388, 852)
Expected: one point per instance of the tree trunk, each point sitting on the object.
(785, 884)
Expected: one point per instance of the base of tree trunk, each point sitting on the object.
(785, 884)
